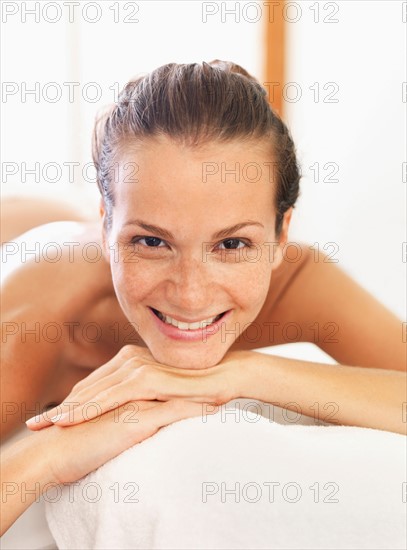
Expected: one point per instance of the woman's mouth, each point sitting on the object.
(187, 326)
(189, 332)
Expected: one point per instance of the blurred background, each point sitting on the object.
(335, 71)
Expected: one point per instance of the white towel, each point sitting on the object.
(241, 481)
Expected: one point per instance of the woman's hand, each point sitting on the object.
(63, 455)
(134, 375)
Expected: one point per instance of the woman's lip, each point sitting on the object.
(189, 335)
(186, 320)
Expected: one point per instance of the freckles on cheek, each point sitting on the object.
(123, 280)
(134, 283)
(248, 286)
(259, 285)
(130, 279)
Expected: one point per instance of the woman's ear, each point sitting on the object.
(285, 227)
(278, 256)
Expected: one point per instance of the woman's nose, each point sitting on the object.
(190, 286)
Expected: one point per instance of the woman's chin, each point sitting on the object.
(187, 360)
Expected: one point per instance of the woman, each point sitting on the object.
(190, 272)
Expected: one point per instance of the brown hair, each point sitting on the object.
(194, 104)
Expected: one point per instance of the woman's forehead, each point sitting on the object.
(227, 163)
(164, 180)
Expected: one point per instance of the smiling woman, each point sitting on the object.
(198, 179)
(194, 268)
(214, 150)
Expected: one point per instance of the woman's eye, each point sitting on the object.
(154, 242)
(230, 244)
(151, 242)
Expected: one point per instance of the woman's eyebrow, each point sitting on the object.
(168, 235)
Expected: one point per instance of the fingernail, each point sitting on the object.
(59, 417)
(34, 420)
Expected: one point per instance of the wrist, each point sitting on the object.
(32, 457)
(250, 375)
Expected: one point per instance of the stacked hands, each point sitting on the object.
(126, 401)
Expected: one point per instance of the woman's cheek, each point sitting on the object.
(258, 285)
(138, 281)
(248, 286)
(126, 285)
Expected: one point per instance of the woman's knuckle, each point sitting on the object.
(128, 351)
(77, 387)
(133, 363)
(144, 371)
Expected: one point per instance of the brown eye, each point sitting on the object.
(230, 244)
(151, 242)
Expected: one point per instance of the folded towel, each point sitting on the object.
(238, 480)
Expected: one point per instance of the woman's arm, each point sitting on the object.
(353, 396)
(24, 477)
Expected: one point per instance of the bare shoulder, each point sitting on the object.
(316, 300)
(343, 318)
(51, 267)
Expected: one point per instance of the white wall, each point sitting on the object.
(108, 53)
(364, 133)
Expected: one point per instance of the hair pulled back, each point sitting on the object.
(194, 104)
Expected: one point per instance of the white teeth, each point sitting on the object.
(188, 326)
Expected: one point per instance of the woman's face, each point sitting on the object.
(190, 266)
